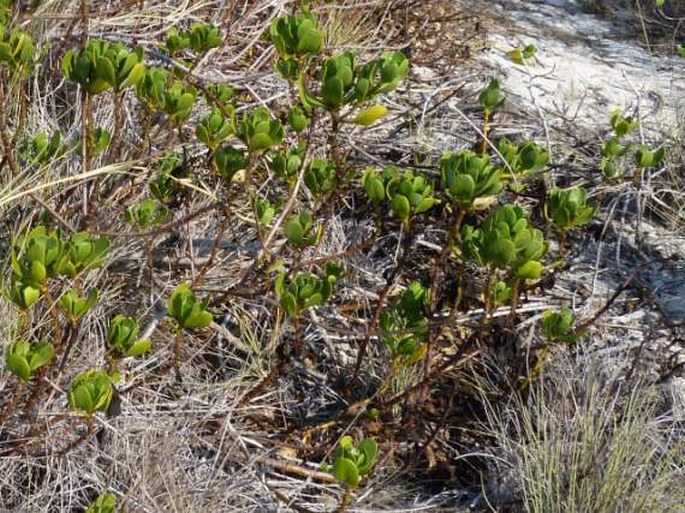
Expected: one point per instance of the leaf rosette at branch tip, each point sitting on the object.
(122, 337)
(259, 131)
(228, 160)
(524, 158)
(404, 326)
(214, 128)
(300, 230)
(491, 97)
(41, 149)
(306, 290)
(23, 358)
(75, 306)
(351, 462)
(505, 240)
(200, 38)
(296, 35)
(17, 52)
(103, 65)
(558, 326)
(345, 82)
(569, 208)
(187, 310)
(409, 194)
(286, 163)
(321, 177)
(91, 391)
(146, 214)
(467, 176)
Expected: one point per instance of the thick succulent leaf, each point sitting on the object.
(531, 270)
(400, 206)
(370, 115)
(369, 449)
(41, 355)
(139, 348)
(18, 365)
(293, 231)
(289, 303)
(198, 319)
(346, 472)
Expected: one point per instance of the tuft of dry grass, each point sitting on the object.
(577, 443)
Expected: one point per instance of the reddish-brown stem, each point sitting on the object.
(12, 405)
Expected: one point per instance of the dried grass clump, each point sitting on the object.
(579, 444)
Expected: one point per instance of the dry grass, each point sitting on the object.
(579, 444)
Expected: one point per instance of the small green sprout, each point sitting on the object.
(374, 186)
(622, 125)
(491, 97)
(17, 52)
(129, 68)
(122, 338)
(300, 230)
(502, 292)
(149, 212)
(384, 74)
(259, 131)
(523, 159)
(320, 177)
(91, 391)
(568, 208)
(228, 160)
(521, 56)
(559, 326)
(152, 86)
(306, 290)
(213, 129)
(84, 252)
(351, 462)
(286, 164)
(219, 92)
(297, 119)
(163, 187)
(178, 101)
(404, 327)
(99, 139)
(43, 150)
(176, 40)
(265, 211)
(76, 306)
(612, 148)
(185, 308)
(23, 358)
(105, 503)
(645, 157)
(202, 37)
